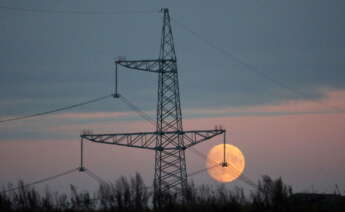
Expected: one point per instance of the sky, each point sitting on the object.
(270, 72)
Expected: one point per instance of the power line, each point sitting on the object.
(202, 170)
(150, 187)
(136, 109)
(252, 68)
(95, 176)
(241, 177)
(78, 12)
(42, 180)
(149, 119)
(55, 110)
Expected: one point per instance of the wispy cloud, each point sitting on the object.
(334, 102)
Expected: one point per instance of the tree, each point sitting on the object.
(271, 194)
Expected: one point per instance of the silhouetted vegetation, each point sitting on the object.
(132, 195)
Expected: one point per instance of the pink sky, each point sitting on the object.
(305, 149)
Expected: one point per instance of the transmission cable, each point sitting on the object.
(252, 68)
(149, 119)
(95, 176)
(136, 109)
(56, 110)
(242, 177)
(202, 170)
(78, 12)
(42, 180)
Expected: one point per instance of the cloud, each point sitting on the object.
(72, 123)
(333, 102)
(293, 145)
(306, 56)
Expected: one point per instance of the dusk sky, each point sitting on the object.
(271, 72)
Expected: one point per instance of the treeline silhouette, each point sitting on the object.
(131, 194)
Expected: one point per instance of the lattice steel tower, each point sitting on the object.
(169, 140)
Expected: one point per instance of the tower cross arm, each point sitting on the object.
(194, 137)
(142, 140)
(147, 140)
(145, 65)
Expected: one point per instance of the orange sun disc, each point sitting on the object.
(233, 166)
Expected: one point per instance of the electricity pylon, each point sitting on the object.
(169, 140)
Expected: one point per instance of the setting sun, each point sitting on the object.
(233, 166)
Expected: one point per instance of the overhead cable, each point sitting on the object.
(78, 12)
(253, 68)
(56, 110)
(41, 181)
(242, 177)
(202, 170)
(136, 109)
(95, 176)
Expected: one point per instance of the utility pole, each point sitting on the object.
(169, 140)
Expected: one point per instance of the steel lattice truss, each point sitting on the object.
(147, 140)
(169, 141)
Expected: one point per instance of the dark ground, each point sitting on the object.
(132, 195)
